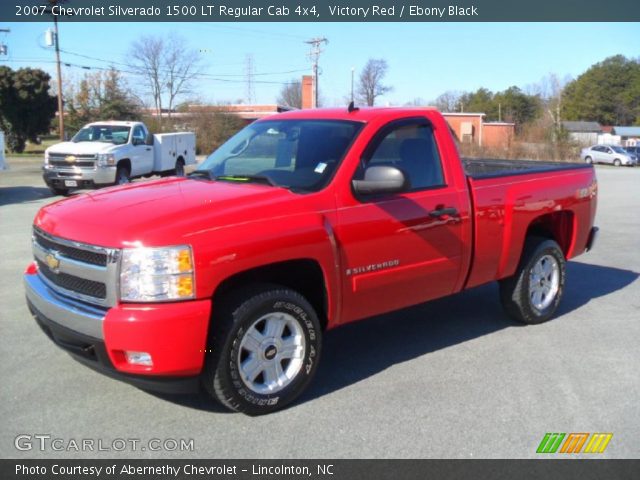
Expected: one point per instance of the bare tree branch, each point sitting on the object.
(147, 56)
(370, 84)
(291, 94)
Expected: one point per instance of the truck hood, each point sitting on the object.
(81, 148)
(161, 212)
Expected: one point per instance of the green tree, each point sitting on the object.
(26, 108)
(100, 96)
(608, 92)
(480, 101)
(516, 106)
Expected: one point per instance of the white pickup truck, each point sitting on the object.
(108, 153)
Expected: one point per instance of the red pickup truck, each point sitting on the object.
(301, 222)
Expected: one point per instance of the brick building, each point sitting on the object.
(471, 128)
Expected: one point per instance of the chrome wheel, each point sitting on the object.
(271, 353)
(544, 282)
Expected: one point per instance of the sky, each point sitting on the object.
(424, 59)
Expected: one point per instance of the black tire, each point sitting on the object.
(237, 315)
(515, 293)
(122, 175)
(58, 191)
(179, 170)
(588, 160)
(617, 162)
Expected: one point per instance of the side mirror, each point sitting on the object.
(380, 180)
(149, 139)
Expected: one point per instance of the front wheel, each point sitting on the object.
(122, 175)
(263, 351)
(617, 162)
(533, 293)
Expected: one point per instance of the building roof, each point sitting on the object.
(498, 124)
(582, 127)
(627, 131)
(463, 114)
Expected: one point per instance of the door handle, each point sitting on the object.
(148, 149)
(442, 211)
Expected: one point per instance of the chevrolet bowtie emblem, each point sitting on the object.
(70, 158)
(52, 261)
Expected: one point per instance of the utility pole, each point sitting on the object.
(499, 111)
(352, 73)
(314, 55)
(60, 104)
(249, 72)
(4, 49)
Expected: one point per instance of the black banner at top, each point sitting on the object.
(322, 11)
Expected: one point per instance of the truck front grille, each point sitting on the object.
(72, 283)
(86, 256)
(85, 272)
(69, 160)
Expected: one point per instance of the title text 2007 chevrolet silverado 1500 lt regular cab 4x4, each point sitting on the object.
(299, 223)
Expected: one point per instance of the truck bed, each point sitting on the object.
(478, 168)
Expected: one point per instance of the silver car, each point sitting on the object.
(611, 154)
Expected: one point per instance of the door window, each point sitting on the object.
(410, 147)
(138, 136)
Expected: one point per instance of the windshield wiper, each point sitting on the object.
(201, 174)
(247, 178)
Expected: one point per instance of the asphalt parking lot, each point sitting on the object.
(454, 378)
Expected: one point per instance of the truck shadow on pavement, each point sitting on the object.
(355, 352)
(23, 194)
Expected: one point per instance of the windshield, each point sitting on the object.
(296, 154)
(117, 134)
(619, 149)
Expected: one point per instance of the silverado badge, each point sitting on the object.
(70, 158)
(52, 261)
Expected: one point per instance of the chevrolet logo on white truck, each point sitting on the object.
(113, 152)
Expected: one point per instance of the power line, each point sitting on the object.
(253, 31)
(89, 57)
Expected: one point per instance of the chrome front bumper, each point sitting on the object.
(74, 315)
(98, 175)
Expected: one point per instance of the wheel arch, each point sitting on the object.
(304, 276)
(125, 162)
(559, 226)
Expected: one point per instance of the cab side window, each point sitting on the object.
(138, 136)
(411, 148)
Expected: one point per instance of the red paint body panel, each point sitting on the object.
(236, 227)
(173, 333)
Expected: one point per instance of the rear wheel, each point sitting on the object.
(617, 162)
(263, 351)
(179, 170)
(588, 159)
(533, 293)
(122, 175)
(58, 191)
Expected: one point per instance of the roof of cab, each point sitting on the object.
(361, 114)
(119, 123)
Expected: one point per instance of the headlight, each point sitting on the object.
(157, 274)
(106, 159)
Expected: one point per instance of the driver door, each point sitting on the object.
(396, 250)
(142, 154)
